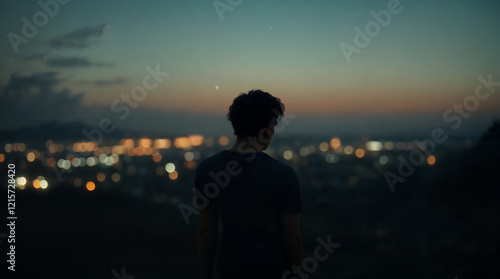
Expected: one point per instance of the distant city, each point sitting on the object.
(162, 169)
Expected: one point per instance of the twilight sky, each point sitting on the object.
(90, 53)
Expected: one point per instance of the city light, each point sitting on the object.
(332, 158)
(360, 153)
(336, 144)
(304, 151)
(209, 142)
(162, 144)
(101, 177)
(383, 159)
(388, 145)
(115, 177)
(182, 143)
(90, 186)
(223, 141)
(348, 150)
(170, 167)
(30, 157)
(323, 146)
(173, 175)
(21, 182)
(128, 143)
(91, 161)
(157, 157)
(44, 184)
(78, 182)
(374, 146)
(21, 147)
(190, 165)
(288, 154)
(189, 156)
(431, 160)
(196, 140)
(145, 142)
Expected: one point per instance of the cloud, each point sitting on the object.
(101, 82)
(64, 62)
(36, 56)
(30, 100)
(73, 62)
(80, 38)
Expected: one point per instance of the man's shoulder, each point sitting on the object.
(211, 160)
(277, 165)
(263, 159)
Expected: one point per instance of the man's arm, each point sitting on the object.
(293, 241)
(207, 241)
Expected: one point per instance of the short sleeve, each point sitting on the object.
(292, 203)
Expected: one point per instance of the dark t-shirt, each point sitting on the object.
(249, 192)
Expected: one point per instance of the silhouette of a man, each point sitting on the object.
(250, 210)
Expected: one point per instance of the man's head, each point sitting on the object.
(254, 114)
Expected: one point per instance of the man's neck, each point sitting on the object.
(248, 145)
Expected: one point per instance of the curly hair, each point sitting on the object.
(253, 111)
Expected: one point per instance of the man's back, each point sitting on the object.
(255, 191)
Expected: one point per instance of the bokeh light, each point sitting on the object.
(170, 167)
(78, 182)
(431, 160)
(90, 186)
(101, 177)
(173, 175)
(323, 146)
(360, 153)
(115, 177)
(30, 157)
(348, 150)
(223, 141)
(383, 159)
